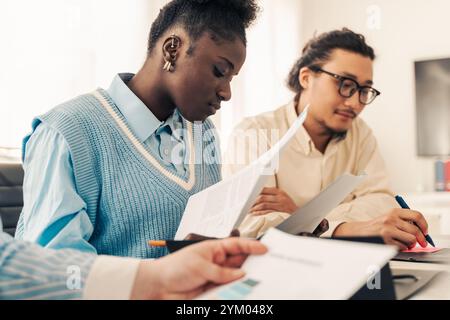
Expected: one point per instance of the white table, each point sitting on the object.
(436, 208)
(439, 287)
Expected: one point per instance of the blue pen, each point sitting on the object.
(403, 204)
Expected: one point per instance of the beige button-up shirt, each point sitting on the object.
(304, 171)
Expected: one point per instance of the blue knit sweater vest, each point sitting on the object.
(131, 196)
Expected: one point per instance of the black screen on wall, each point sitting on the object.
(433, 107)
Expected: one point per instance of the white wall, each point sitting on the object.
(53, 50)
(407, 30)
(273, 46)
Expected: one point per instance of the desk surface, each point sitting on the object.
(439, 287)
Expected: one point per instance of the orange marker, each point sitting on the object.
(157, 243)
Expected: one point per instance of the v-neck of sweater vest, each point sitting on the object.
(183, 184)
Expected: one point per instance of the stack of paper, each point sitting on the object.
(306, 268)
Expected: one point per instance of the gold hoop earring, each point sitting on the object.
(168, 66)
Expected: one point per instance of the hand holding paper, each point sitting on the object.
(309, 216)
(306, 268)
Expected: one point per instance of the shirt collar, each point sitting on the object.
(140, 119)
(173, 126)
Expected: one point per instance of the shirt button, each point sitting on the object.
(166, 152)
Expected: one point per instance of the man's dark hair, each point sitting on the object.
(223, 18)
(319, 49)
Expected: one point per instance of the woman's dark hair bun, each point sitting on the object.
(224, 18)
(247, 10)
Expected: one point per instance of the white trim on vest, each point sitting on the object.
(187, 185)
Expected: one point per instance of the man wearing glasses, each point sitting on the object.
(334, 76)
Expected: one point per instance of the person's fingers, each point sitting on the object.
(242, 246)
(218, 274)
(404, 237)
(219, 251)
(416, 217)
(265, 198)
(217, 261)
(413, 230)
(260, 212)
(266, 206)
(235, 261)
(270, 191)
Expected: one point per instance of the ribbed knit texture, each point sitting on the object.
(130, 200)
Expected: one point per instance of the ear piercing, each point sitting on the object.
(169, 65)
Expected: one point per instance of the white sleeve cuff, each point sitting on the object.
(111, 278)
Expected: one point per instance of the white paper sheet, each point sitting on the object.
(309, 216)
(272, 155)
(306, 268)
(217, 210)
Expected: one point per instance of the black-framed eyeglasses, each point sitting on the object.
(348, 87)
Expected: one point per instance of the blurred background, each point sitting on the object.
(53, 50)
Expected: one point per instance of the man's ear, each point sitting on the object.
(171, 48)
(305, 77)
